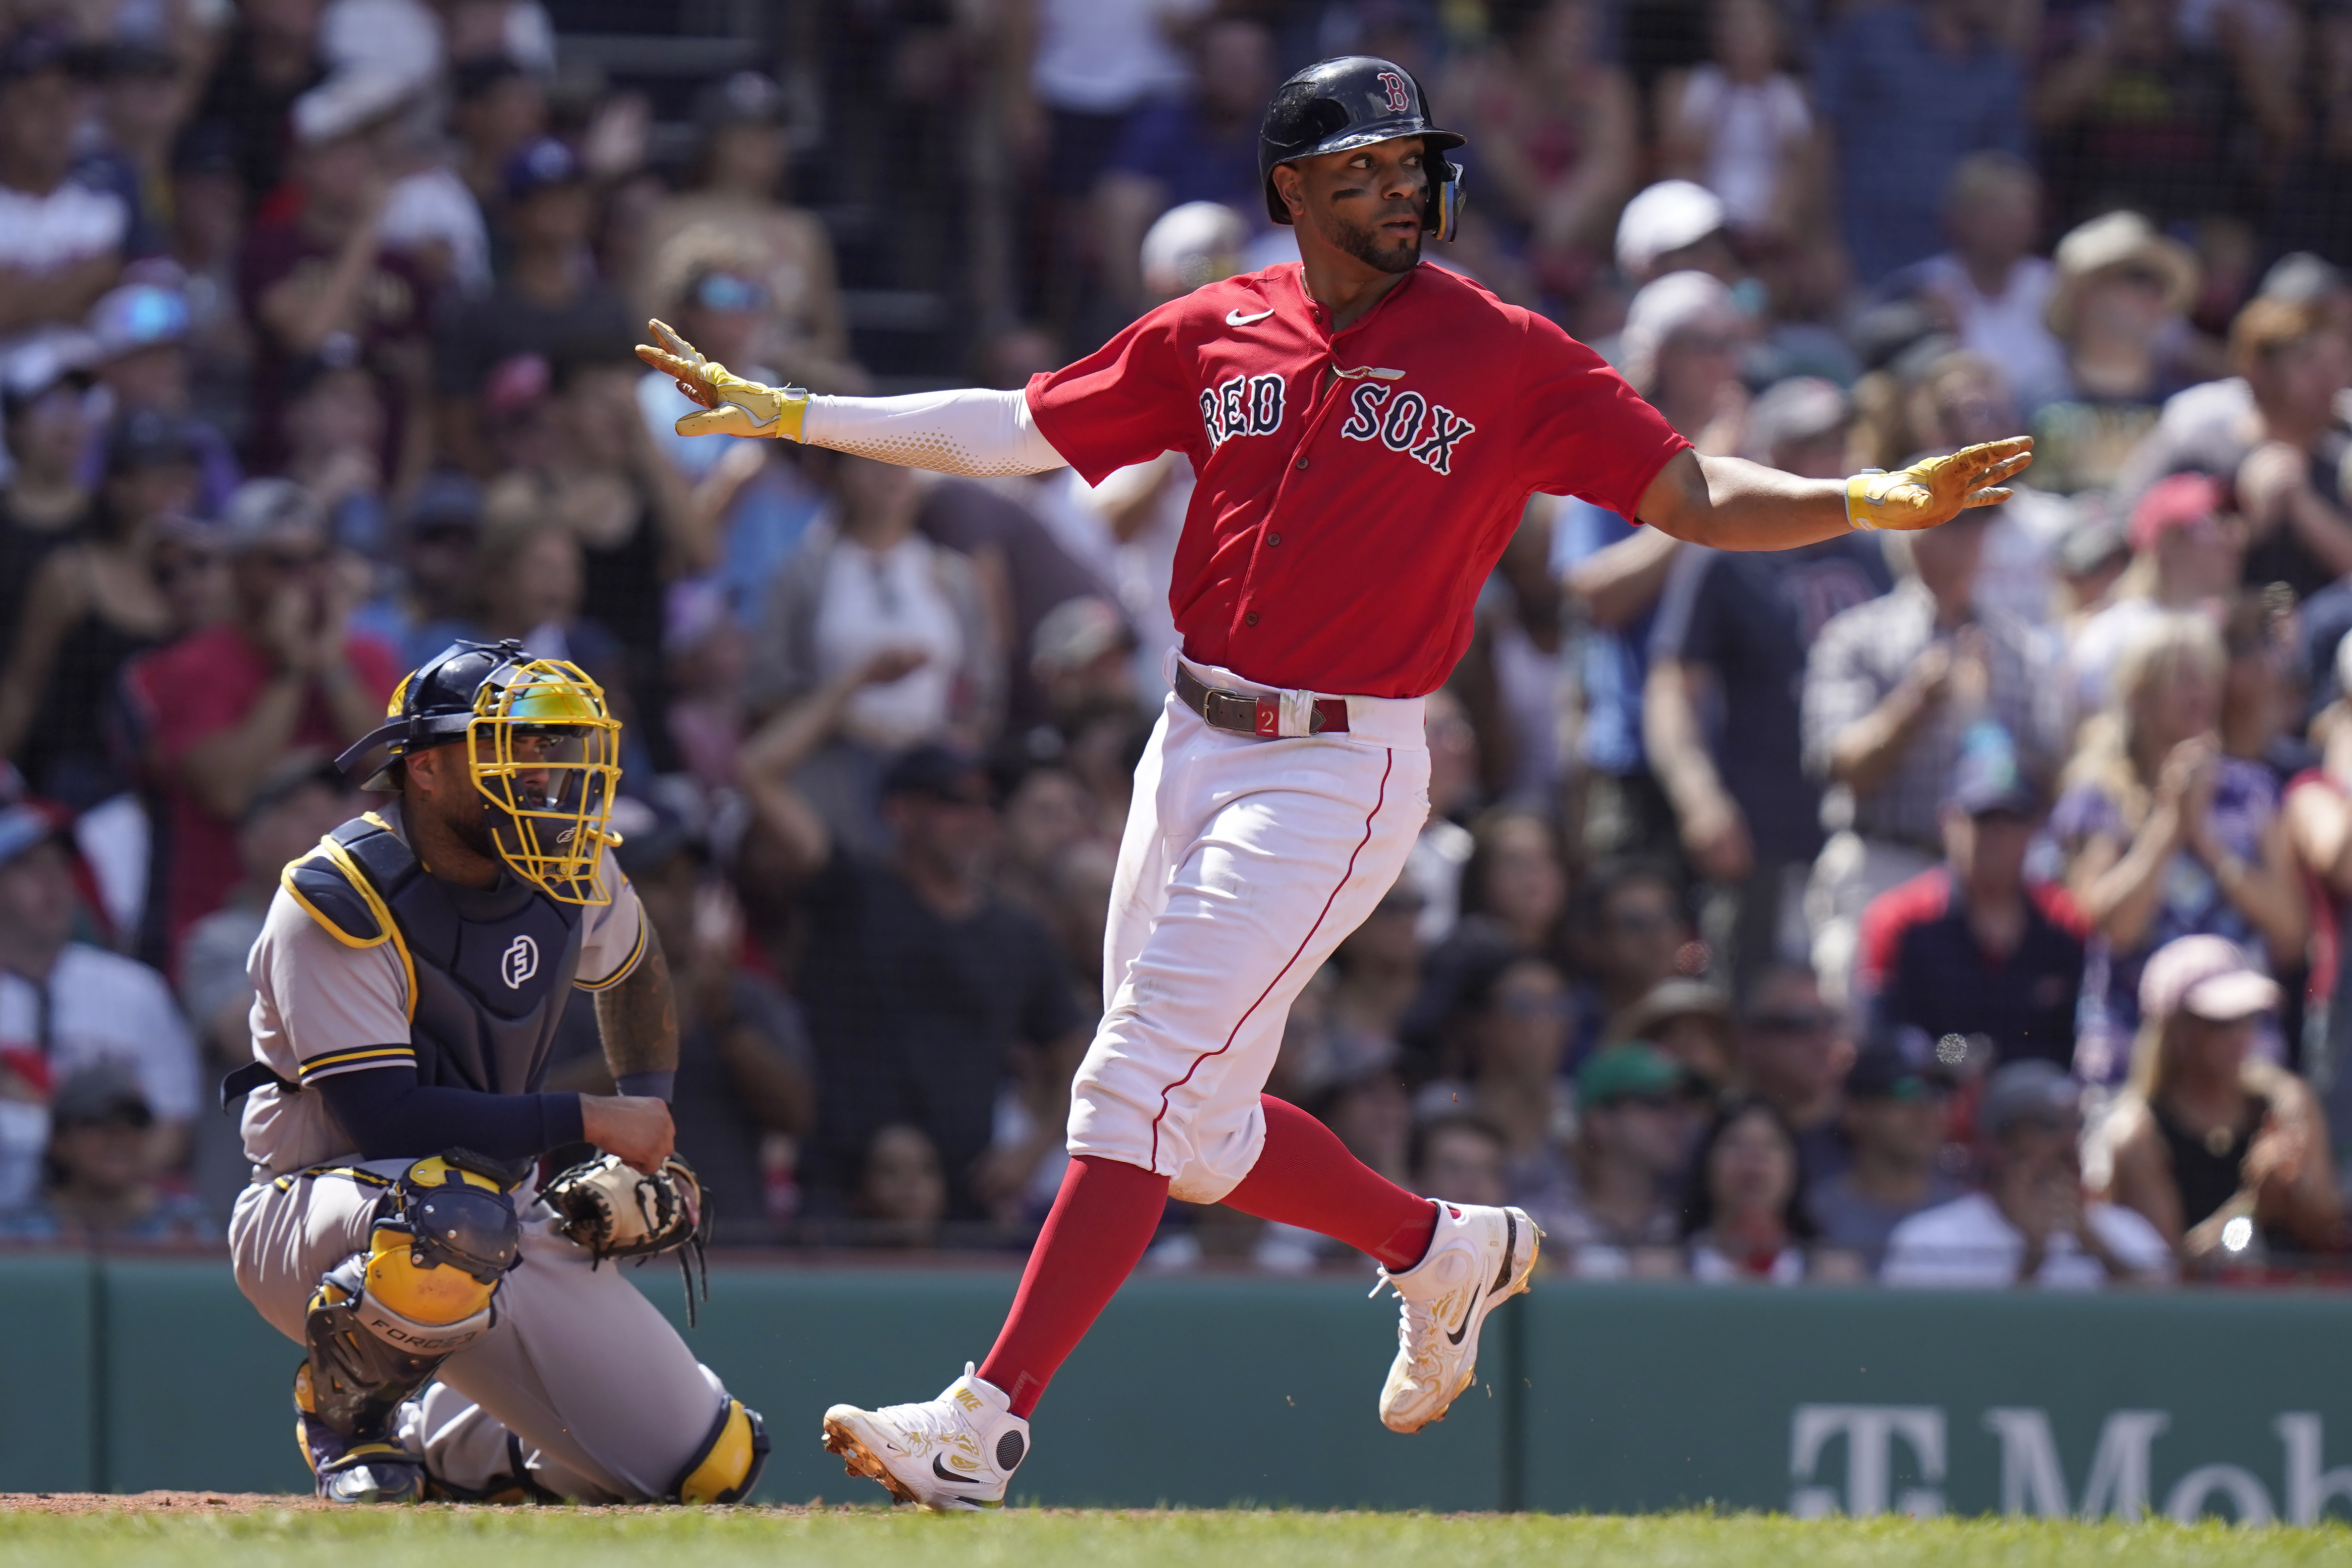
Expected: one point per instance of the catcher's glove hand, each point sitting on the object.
(617, 1211)
(731, 405)
(1935, 489)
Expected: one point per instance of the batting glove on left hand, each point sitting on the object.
(731, 405)
(1935, 489)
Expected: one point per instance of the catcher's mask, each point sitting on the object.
(541, 747)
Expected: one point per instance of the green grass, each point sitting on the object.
(869, 1538)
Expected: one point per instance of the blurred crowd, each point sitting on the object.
(1953, 908)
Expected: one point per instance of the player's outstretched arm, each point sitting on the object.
(978, 433)
(1728, 503)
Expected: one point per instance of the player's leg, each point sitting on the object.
(585, 1391)
(401, 1260)
(1295, 845)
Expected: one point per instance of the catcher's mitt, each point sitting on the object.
(617, 1211)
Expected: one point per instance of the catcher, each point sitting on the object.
(462, 1341)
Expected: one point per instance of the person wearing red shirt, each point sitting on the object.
(1366, 432)
(223, 708)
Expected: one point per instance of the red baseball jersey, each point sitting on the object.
(1355, 488)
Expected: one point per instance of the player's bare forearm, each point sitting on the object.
(1728, 502)
(638, 1018)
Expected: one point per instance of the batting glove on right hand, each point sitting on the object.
(1935, 489)
(731, 405)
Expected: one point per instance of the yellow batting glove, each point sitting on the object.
(731, 405)
(1935, 489)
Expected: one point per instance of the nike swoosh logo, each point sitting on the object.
(1235, 319)
(1510, 1251)
(947, 1475)
(1456, 1337)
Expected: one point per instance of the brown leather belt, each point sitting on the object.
(1248, 713)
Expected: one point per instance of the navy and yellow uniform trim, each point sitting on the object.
(628, 964)
(335, 891)
(329, 1062)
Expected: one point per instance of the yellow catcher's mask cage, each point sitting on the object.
(545, 750)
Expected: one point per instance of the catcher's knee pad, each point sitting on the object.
(728, 1465)
(446, 1234)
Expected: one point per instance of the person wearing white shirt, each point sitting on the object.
(66, 1005)
(2032, 1224)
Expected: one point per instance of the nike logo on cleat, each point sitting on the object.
(1235, 319)
(946, 1474)
(1456, 1337)
(1510, 1253)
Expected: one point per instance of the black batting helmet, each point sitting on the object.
(1353, 101)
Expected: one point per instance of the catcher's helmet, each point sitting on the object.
(1353, 101)
(541, 747)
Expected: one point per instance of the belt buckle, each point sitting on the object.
(1235, 711)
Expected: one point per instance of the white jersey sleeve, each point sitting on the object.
(613, 935)
(975, 433)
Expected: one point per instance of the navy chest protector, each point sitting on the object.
(489, 970)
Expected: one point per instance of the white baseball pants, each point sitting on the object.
(1245, 862)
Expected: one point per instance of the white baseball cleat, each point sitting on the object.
(955, 1452)
(1479, 1258)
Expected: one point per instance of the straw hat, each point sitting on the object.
(2117, 240)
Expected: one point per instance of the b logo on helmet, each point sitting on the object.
(1400, 100)
(518, 963)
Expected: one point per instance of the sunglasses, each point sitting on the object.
(724, 292)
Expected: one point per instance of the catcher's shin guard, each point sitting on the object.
(383, 1320)
(728, 1465)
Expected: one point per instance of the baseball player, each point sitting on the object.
(1366, 432)
(408, 980)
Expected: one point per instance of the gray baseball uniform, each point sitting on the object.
(581, 1382)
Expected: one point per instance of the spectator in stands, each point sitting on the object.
(546, 301)
(66, 1005)
(1894, 1122)
(46, 414)
(1629, 937)
(1907, 91)
(2031, 1225)
(93, 606)
(298, 804)
(2297, 361)
(902, 1195)
(2187, 556)
(530, 585)
(2225, 1154)
(99, 1172)
(497, 109)
(269, 58)
(207, 210)
(733, 199)
(1514, 1029)
(139, 335)
(1045, 810)
(2319, 824)
(1743, 1216)
(1996, 289)
(1683, 338)
(1794, 1052)
(1691, 1022)
(1377, 972)
(425, 605)
(1974, 946)
(1635, 1121)
(1733, 629)
(2166, 837)
(2261, 694)
(2118, 312)
(1197, 146)
(1892, 686)
(933, 1054)
(323, 282)
(1557, 125)
(865, 582)
(222, 708)
(1738, 124)
(1459, 1157)
(2137, 110)
(60, 242)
